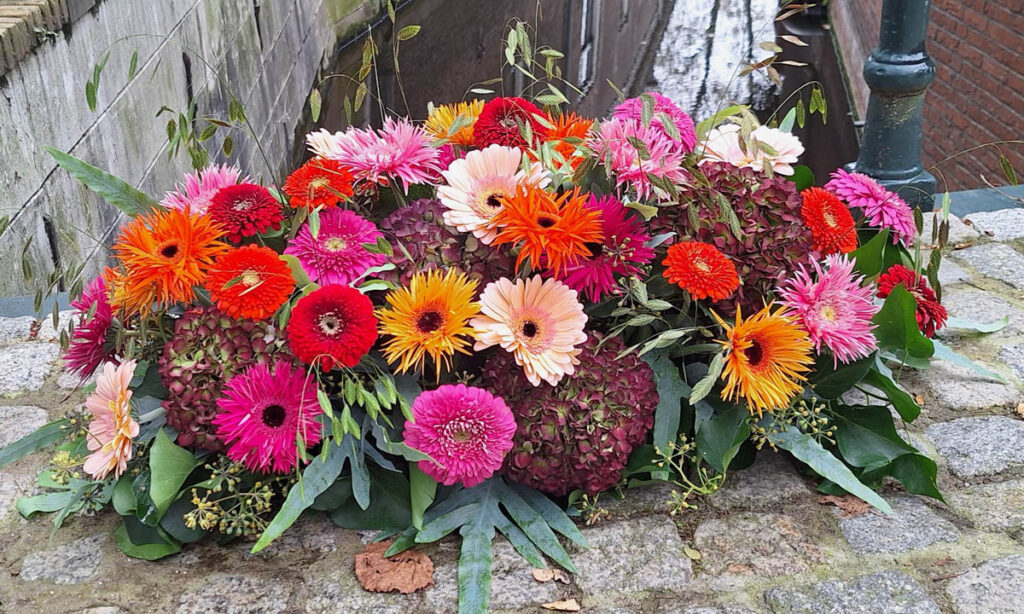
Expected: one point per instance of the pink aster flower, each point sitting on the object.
(112, 428)
(336, 255)
(399, 150)
(882, 208)
(835, 310)
(89, 348)
(200, 187)
(610, 142)
(632, 109)
(781, 149)
(262, 413)
(621, 253)
(467, 432)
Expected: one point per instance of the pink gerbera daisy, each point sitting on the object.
(264, 413)
(199, 188)
(540, 321)
(89, 348)
(466, 431)
(399, 150)
(632, 109)
(478, 183)
(112, 428)
(835, 310)
(882, 208)
(621, 253)
(612, 143)
(336, 255)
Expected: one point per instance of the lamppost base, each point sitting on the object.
(917, 191)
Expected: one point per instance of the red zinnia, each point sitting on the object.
(931, 315)
(244, 210)
(500, 120)
(830, 222)
(334, 324)
(701, 270)
(250, 282)
(321, 182)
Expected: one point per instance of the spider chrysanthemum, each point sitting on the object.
(882, 208)
(198, 188)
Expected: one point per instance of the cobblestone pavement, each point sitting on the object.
(762, 545)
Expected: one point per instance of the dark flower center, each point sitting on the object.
(428, 322)
(273, 416)
(530, 329)
(330, 324)
(596, 249)
(492, 200)
(169, 251)
(754, 353)
(546, 222)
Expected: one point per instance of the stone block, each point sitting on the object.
(976, 447)
(911, 526)
(26, 365)
(992, 588)
(757, 544)
(15, 329)
(995, 260)
(889, 592)
(769, 482)
(236, 594)
(960, 389)
(1001, 225)
(959, 232)
(16, 421)
(982, 307)
(997, 506)
(1013, 356)
(72, 563)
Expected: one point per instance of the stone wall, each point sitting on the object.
(267, 53)
(978, 50)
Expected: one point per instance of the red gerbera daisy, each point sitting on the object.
(701, 270)
(321, 182)
(831, 224)
(245, 209)
(250, 282)
(500, 120)
(334, 324)
(931, 315)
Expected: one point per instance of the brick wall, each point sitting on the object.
(978, 50)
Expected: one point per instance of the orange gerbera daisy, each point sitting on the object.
(442, 119)
(700, 269)
(573, 127)
(163, 255)
(544, 224)
(832, 226)
(321, 182)
(250, 282)
(429, 317)
(766, 358)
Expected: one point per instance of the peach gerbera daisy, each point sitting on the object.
(540, 321)
(478, 183)
(112, 428)
(442, 119)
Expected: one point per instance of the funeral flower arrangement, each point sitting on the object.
(479, 323)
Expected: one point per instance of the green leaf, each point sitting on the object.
(408, 32)
(802, 177)
(866, 435)
(475, 561)
(388, 509)
(149, 551)
(897, 325)
(809, 451)
(123, 496)
(552, 514)
(704, 386)
(978, 327)
(943, 352)
(917, 473)
(422, 490)
(90, 95)
(169, 466)
(786, 125)
(881, 378)
(671, 390)
(316, 478)
(42, 437)
(720, 433)
(831, 382)
(133, 65)
(45, 503)
(301, 278)
(115, 191)
(316, 103)
(535, 528)
(869, 257)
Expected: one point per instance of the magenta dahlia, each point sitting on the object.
(632, 109)
(332, 325)
(882, 208)
(835, 310)
(264, 413)
(622, 252)
(467, 432)
(89, 348)
(336, 255)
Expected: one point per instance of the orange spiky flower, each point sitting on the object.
(766, 359)
(569, 126)
(163, 255)
(552, 231)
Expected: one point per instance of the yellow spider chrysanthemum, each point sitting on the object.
(429, 317)
(767, 356)
(440, 121)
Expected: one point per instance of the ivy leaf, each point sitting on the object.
(881, 378)
(897, 325)
(831, 382)
(169, 466)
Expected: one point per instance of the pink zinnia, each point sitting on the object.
(336, 255)
(610, 143)
(467, 432)
(835, 310)
(89, 348)
(398, 150)
(112, 428)
(263, 413)
(882, 208)
(621, 253)
(199, 188)
(632, 108)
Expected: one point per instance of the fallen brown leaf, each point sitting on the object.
(1019, 410)
(404, 572)
(547, 575)
(848, 505)
(566, 605)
